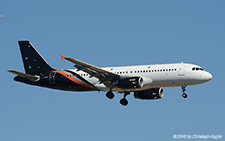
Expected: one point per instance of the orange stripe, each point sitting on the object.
(72, 79)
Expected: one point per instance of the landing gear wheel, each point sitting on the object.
(110, 95)
(184, 95)
(123, 102)
(183, 90)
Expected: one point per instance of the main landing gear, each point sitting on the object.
(110, 95)
(183, 90)
(123, 101)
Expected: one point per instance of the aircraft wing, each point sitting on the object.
(104, 76)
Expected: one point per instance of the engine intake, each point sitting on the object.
(131, 82)
(154, 93)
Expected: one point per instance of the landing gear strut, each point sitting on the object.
(124, 101)
(183, 90)
(110, 94)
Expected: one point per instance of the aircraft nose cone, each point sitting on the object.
(208, 76)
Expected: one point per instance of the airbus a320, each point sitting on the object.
(145, 81)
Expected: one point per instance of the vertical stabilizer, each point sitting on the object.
(33, 62)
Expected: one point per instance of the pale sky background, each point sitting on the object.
(112, 33)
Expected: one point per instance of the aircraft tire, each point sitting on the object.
(184, 95)
(123, 102)
(110, 95)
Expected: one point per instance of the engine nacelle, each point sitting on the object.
(131, 82)
(154, 93)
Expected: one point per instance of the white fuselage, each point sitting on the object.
(156, 76)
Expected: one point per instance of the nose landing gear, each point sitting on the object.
(184, 95)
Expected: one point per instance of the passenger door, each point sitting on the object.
(181, 70)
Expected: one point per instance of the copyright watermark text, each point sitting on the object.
(194, 136)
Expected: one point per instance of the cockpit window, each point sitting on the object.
(197, 69)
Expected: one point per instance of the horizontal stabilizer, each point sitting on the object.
(23, 75)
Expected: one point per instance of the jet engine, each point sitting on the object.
(131, 82)
(154, 93)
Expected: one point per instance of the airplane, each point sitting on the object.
(145, 81)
